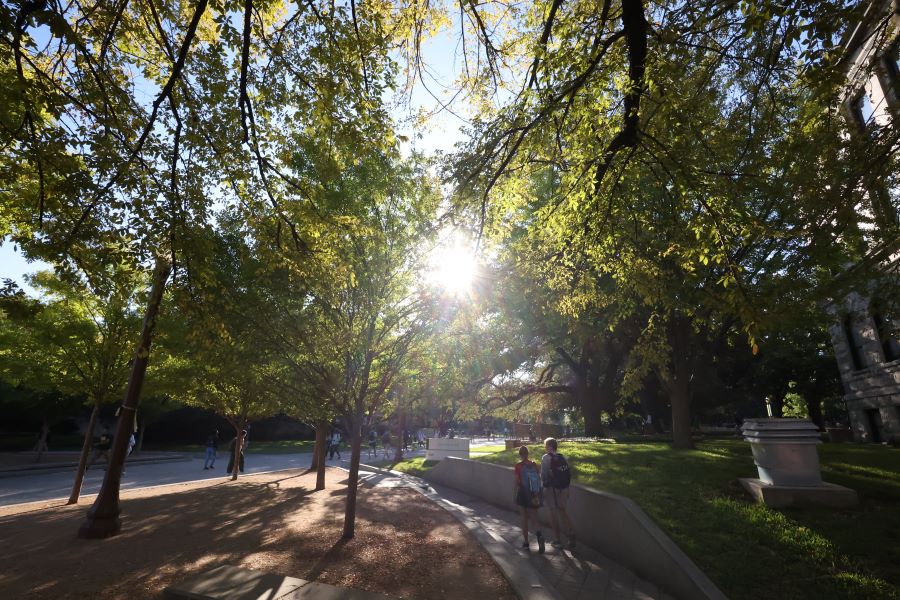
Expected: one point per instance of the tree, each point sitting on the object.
(347, 337)
(677, 143)
(78, 341)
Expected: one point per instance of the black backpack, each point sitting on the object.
(560, 477)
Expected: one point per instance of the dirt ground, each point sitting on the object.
(405, 546)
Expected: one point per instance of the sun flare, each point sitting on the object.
(452, 265)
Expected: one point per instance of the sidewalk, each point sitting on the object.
(558, 573)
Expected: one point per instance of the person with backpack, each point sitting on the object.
(556, 478)
(528, 496)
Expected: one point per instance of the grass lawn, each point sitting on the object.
(751, 551)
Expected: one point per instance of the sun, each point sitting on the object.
(452, 265)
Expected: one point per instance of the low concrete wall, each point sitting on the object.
(611, 524)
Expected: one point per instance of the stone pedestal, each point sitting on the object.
(441, 448)
(786, 458)
(780, 496)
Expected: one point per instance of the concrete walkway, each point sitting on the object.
(558, 573)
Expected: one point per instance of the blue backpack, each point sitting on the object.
(531, 484)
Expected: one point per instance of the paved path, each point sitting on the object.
(571, 575)
(33, 486)
(36, 485)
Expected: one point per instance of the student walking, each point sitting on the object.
(528, 496)
(386, 444)
(231, 453)
(101, 449)
(373, 443)
(556, 477)
(212, 446)
(335, 446)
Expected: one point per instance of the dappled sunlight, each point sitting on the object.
(803, 553)
(276, 525)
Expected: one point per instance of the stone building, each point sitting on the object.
(865, 333)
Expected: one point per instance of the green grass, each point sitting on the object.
(749, 550)
(487, 449)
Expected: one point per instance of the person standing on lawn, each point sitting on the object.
(556, 479)
(527, 490)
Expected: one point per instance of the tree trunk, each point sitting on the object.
(680, 396)
(103, 517)
(85, 453)
(41, 445)
(593, 422)
(320, 439)
(140, 440)
(679, 383)
(401, 437)
(355, 434)
(238, 446)
(321, 448)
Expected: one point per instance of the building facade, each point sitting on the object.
(866, 323)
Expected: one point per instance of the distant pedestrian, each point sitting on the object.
(527, 491)
(212, 447)
(421, 435)
(231, 447)
(386, 444)
(101, 449)
(335, 446)
(131, 443)
(373, 443)
(556, 478)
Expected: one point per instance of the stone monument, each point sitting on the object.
(441, 448)
(787, 460)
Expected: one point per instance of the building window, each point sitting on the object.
(863, 110)
(891, 61)
(850, 334)
(888, 327)
(889, 76)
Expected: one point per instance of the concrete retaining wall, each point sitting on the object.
(611, 524)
